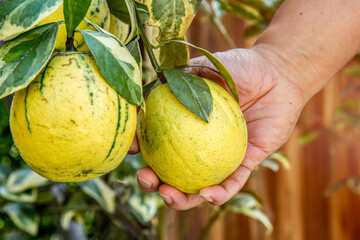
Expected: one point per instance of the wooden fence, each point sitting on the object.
(294, 199)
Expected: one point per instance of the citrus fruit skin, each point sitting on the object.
(183, 150)
(69, 124)
(98, 13)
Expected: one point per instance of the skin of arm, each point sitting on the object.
(307, 42)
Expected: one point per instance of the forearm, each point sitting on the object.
(309, 41)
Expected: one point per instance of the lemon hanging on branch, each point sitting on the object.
(70, 125)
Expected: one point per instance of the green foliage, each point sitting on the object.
(113, 206)
(23, 58)
(74, 12)
(191, 90)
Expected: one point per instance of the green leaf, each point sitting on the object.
(134, 49)
(74, 12)
(28, 197)
(257, 214)
(4, 115)
(353, 70)
(23, 179)
(24, 216)
(132, 13)
(101, 192)
(242, 10)
(18, 16)
(253, 30)
(22, 58)
(219, 66)
(191, 90)
(119, 28)
(4, 171)
(144, 206)
(148, 87)
(271, 164)
(308, 137)
(247, 204)
(281, 158)
(120, 10)
(116, 64)
(173, 17)
(173, 54)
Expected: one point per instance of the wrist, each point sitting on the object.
(292, 66)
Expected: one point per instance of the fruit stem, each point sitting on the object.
(70, 43)
(148, 47)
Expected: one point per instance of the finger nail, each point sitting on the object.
(166, 199)
(144, 183)
(206, 197)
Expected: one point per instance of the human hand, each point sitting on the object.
(271, 105)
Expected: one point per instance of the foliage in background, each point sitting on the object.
(113, 206)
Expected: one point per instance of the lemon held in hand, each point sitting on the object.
(69, 124)
(186, 152)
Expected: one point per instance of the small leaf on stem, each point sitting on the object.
(74, 13)
(191, 90)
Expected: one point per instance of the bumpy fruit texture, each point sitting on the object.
(69, 124)
(186, 152)
(98, 13)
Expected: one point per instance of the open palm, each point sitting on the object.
(271, 105)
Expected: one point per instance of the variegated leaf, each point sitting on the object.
(23, 179)
(101, 192)
(173, 17)
(17, 16)
(24, 216)
(22, 58)
(116, 64)
(119, 28)
(28, 197)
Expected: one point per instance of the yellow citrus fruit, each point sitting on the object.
(69, 124)
(186, 152)
(98, 13)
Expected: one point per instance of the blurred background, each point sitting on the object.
(309, 189)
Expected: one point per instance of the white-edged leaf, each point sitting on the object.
(281, 158)
(22, 58)
(247, 204)
(28, 197)
(271, 164)
(18, 16)
(24, 216)
(116, 64)
(257, 214)
(23, 179)
(101, 192)
(173, 17)
(119, 28)
(132, 13)
(67, 217)
(144, 206)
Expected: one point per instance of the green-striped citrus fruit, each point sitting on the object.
(69, 124)
(186, 152)
(98, 13)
